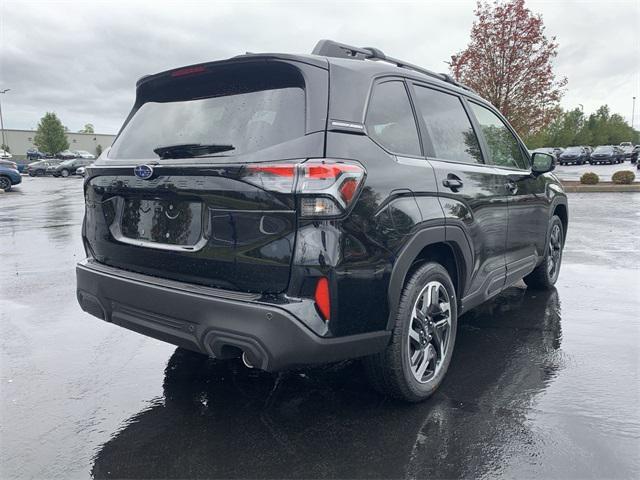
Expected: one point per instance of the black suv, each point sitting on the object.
(303, 209)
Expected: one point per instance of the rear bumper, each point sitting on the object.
(210, 321)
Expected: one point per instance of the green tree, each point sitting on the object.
(51, 136)
(573, 128)
(88, 128)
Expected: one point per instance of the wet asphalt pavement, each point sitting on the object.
(541, 384)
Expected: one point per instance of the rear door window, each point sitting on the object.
(504, 148)
(448, 126)
(390, 120)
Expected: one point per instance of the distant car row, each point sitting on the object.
(35, 154)
(57, 168)
(580, 155)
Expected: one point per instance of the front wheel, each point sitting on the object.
(64, 173)
(417, 358)
(546, 274)
(5, 184)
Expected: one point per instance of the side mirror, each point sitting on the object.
(542, 163)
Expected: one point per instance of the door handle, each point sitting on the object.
(512, 187)
(452, 183)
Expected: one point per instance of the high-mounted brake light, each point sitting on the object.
(326, 187)
(183, 72)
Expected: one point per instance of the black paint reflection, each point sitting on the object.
(224, 421)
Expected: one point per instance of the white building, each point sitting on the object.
(19, 141)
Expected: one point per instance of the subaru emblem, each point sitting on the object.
(143, 171)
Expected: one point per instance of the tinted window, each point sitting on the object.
(390, 120)
(448, 125)
(249, 107)
(504, 149)
(247, 121)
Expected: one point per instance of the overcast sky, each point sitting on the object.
(81, 59)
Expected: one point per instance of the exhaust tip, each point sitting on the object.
(246, 361)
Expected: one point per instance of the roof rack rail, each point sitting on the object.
(329, 48)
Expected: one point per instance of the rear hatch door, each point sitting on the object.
(181, 193)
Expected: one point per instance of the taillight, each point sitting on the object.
(322, 298)
(275, 177)
(326, 187)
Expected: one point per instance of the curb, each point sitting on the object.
(577, 187)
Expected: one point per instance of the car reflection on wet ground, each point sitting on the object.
(541, 384)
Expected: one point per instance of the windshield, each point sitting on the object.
(67, 162)
(232, 116)
(603, 149)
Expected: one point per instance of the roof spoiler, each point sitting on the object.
(329, 48)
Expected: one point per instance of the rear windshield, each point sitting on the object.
(573, 150)
(226, 112)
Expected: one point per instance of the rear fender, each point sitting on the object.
(454, 237)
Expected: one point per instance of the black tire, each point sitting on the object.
(31, 174)
(545, 276)
(391, 371)
(40, 173)
(5, 183)
(64, 172)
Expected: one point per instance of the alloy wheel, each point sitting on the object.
(555, 252)
(429, 332)
(5, 183)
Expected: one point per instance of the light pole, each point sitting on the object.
(633, 111)
(2, 123)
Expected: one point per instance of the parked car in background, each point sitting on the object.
(34, 154)
(69, 167)
(634, 154)
(264, 235)
(589, 151)
(573, 155)
(4, 154)
(609, 154)
(9, 164)
(84, 154)
(627, 149)
(41, 168)
(66, 155)
(9, 177)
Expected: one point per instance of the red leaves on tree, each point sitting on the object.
(509, 62)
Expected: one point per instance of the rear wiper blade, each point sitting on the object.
(188, 150)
